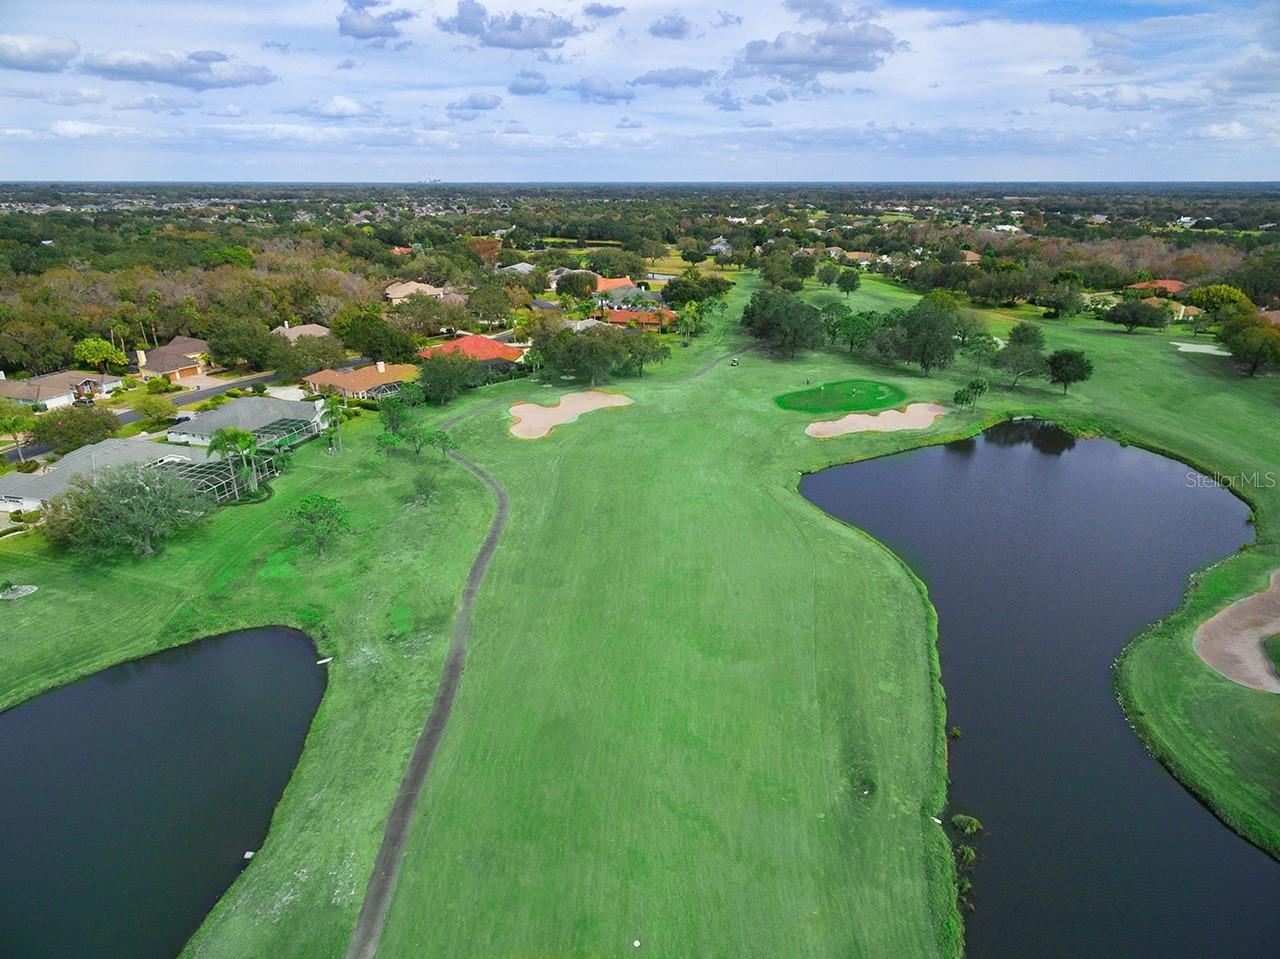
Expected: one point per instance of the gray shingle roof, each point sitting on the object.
(246, 413)
(58, 476)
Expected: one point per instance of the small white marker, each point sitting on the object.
(249, 854)
(636, 944)
(321, 662)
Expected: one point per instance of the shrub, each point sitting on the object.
(158, 384)
(966, 825)
(966, 855)
(234, 393)
(258, 388)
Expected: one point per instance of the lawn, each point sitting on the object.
(681, 674)
(875, 293)
(844, 396)
(1272, 646)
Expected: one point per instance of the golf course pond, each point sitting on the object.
(1043, 554)
(129, 799)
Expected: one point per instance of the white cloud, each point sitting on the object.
(200, 70)
(597, 89)
(671, 27)
(671, 77)
(472, 105)
(512, 31)
(39, 54)
(841, 48)
(338, 107)
(54, 97)
(358, 21)
(528, 83)
(156, 103)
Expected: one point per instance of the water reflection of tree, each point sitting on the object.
(1049, 438)
(965, 447)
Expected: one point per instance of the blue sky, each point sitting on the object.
(619, 90)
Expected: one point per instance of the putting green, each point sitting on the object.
(844, 396)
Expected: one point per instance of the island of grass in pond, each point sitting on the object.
(1272, 646)
(844, 396)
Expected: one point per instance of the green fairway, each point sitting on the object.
(682, 677)
(844, 396)
(875, 293)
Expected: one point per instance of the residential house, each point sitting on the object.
(553, 276)
(376, 381)
(399, 292)
(54, 390)
(32, 491)
(606, 283)
(522, 268)
(631, 295)
(579, 325)
(651, 319)
(182, 356)
(719, 245)
(970, 257)
(1270, 316)
(273, 422)
(1161, 287)
(293, 333)
(550, 305)
(861, 257)
(482, 349)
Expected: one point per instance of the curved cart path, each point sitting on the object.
(386, 868)
(1231, 640)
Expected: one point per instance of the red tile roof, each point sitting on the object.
(639, 317)
(480, 348)
(1168, 286)
(604, 283)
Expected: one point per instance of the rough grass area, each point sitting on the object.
(844, 396)
(1272, 645)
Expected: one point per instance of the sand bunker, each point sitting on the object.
(1231, 641)
(534, 421)
(917, 416)
(1200, 348)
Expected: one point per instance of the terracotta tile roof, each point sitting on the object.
(363, 379)
(477, 347)
(605, 283)
(639, 317)
(1168, 286)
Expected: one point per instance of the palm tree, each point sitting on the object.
(15, 426)
(333, 418)
(688, 320)
(233, 443)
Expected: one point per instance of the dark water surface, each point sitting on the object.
(128, 799)
(1043, 554)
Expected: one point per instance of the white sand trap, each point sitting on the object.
(917, 416)
(1209, 348)
(534, 421)
(1231, 641)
